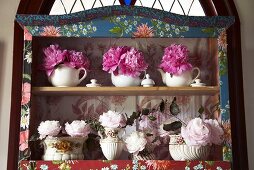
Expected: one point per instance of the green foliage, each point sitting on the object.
(152, 118)
(174, 108)
(172, 126)
(116, 30)
(210, 31)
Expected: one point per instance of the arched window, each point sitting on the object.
(183, 7)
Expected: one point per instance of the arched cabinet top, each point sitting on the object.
(196, 26)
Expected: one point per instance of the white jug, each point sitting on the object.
(64, 76)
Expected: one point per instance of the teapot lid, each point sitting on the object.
(147, 80)
(93, 83)
(198, 83)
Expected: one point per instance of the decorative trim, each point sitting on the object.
(192, 21)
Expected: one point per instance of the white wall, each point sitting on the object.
(7, 13)
(245, 11)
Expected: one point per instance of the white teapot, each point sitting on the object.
(64, 76)
(184, 79)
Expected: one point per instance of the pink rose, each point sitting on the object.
(112, 119)
(26, 89)
(197, 132)
(77, 128)
(217, 131)
(23, 140)
(49, 128)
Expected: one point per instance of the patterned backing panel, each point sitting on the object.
(123, 24)
(127, 165)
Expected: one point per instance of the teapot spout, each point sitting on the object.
(162, 75)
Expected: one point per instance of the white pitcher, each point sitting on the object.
(64, 76)
(184, 79)
(125, 81)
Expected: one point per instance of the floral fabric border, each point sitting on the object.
(57, 20)
(123, 26)
(126, 165)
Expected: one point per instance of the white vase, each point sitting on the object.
(125, 81)
(64, 76)
(182, 152)
(184, 79)
(111, 145)
(111, 149)
(63, 148)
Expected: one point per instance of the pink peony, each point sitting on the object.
(217, 131)
(78, 128)
(49, 128)
(76, 59)
(53, 57)
(26, 93)
(112, 57)
(132, 63)
(124, 60)
(136, 142)
(112, 119)
(197, 132)
(175, 59)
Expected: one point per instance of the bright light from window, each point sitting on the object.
(185, 7)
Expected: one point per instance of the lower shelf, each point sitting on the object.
(125, 165)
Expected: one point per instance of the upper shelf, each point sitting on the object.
(126, 91)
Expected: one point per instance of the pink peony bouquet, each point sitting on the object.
(54, 56)
(136, 142)
(124, 60)
(175, 59)
(49, 128)
(202, 133)
(112, 119)
(78, 128)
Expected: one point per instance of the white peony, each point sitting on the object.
(136, 142)
(77, 128)
(49, 128)
(112, 119)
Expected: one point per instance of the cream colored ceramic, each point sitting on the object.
(183, 152)
(63, 148)
(111, 149)
(184, 79)
(125, 81)
(64, 76)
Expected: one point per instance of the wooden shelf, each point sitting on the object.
(126, 91)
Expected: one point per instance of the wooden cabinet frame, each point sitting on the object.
(211, 7)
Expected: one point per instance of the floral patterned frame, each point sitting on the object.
(120, 21)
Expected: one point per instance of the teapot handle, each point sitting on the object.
(84, 76)
(192, 71)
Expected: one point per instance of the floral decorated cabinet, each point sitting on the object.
(93, 32)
